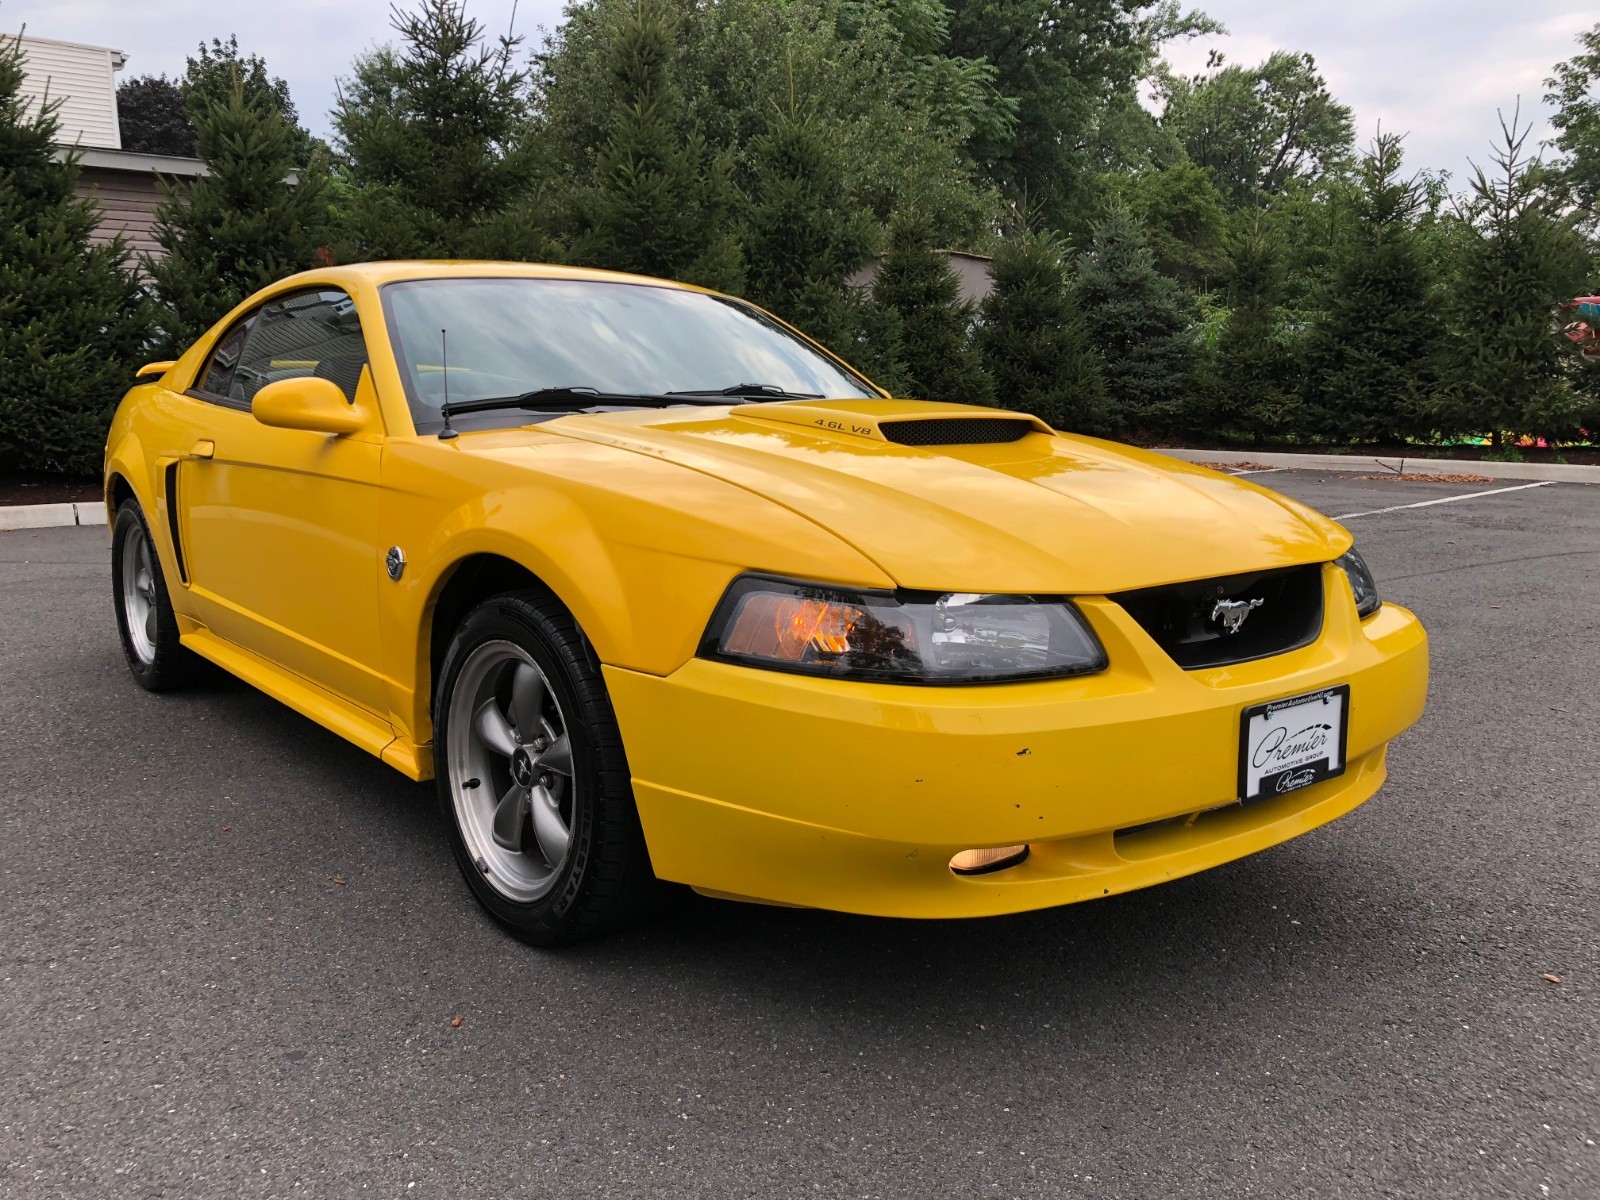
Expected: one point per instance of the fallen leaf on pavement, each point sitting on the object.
(1552, 978)
(456, 1024)
(340, 880)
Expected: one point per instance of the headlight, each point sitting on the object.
(1361, 581)
(901, 637)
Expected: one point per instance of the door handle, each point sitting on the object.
(204, 448)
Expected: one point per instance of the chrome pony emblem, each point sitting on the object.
(395, 563)
(1232, 613)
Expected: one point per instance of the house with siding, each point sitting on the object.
(121, 183)
(972, 272)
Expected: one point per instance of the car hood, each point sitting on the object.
(1045, 512)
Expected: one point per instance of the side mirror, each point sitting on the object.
(310, 403)
(155, 370)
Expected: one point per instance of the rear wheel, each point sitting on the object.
(145, 619)
(532, 778)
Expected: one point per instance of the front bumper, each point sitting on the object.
(854, 796)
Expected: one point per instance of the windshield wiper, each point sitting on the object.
(559, 399)
(752, 391)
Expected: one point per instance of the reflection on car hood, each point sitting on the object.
(1042, 513)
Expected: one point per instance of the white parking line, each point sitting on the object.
(1259, 471)
(1373, 512)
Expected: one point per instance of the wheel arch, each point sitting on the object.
(118, 490)
(469, 579)
(466, 584)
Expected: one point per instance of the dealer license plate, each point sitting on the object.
(1285, 745)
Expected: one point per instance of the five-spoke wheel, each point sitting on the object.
(145, 618)
(532, 776)
(138, 591)
(511, 770)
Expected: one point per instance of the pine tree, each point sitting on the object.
(1141, 323)
(238, 228)
(1510, 370)
(213, 72)
(436, 141)
(1033, 341)
(926, 326)
(803, 238)
(661, 204)
(73, 322)
(1248, 385)
(1369, 355)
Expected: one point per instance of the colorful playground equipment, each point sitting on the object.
(1581, 324)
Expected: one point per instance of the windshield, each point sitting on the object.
(505, 337)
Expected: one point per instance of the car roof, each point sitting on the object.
(378, 273)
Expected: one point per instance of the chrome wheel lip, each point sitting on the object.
(136, 589)
(495, 765)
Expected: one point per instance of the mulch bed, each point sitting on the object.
(1420, 477)
(1576, 455)
(48, 489)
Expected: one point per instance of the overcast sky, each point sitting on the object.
(1434, 70)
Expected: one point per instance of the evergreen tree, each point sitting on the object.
(238, 228)
(72, 320)
(1368, 357)
(153, 118)
(803, 238)
(848, 61)
(926, 323)
(1033, 341)
(1249, 383)
(661, 203)
(1510, 370)
(211, 74)
(1141, 323)
(436, 144)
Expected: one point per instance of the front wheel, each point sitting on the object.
(532, 779)
(145, 619)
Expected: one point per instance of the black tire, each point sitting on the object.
(159, 662)
(605, 881)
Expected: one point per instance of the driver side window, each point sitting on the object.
(311, 333)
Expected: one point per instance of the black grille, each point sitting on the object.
(956, 431)
(1285, 613)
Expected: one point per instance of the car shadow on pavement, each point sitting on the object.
(1318, 920)
(1221, 941)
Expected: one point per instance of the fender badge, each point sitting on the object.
(395, 563)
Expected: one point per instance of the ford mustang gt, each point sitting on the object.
(655, 588)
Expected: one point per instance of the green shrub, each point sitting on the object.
(73, 321)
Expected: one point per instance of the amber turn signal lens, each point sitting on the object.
(981, 862)
(777, 626)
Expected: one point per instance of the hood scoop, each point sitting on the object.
(926, 424)
(956, 431)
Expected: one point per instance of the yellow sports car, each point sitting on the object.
(658, 589)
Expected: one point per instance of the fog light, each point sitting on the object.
(982, 862)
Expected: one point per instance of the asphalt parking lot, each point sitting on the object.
(232, 948)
